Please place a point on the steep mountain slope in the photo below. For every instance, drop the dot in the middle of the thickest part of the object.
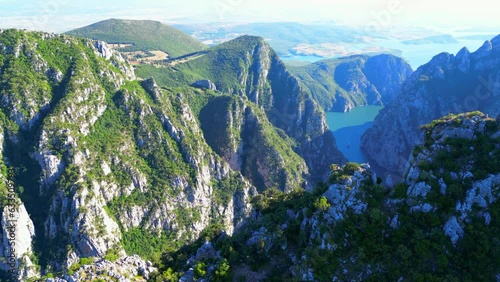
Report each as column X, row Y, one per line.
column 247, row 67
column 144, row 35
column 447, row 84
column 244, row 138
column 103, row 166
column 441, row 224
column 342, row 84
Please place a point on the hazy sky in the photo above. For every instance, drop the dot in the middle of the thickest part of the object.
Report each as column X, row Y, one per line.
column 63, row 15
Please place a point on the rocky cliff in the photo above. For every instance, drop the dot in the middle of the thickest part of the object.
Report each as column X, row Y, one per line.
column 101, row 161
column 247, row 67
column 441, row 223
column 447, row 84
column 105, row 167
column 344, row 83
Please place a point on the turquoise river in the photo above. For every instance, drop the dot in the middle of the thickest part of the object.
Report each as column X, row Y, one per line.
column 348, row 128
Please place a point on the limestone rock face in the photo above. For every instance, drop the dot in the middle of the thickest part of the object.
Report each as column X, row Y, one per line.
column 348, row 196
column 126, row 269
column 76, row 174
column 101, row 159
column 258, row 75
column 447, row 84
column 205, row 84
column 17, row 234
column 453, row 230
column 444, row 210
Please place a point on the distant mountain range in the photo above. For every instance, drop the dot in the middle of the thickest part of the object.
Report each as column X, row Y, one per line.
column 321, row 40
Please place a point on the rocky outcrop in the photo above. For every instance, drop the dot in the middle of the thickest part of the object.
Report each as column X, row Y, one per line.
column 481, row 190
column 16, row 242
column 126, row 269
column 342, row 84
column 245, row 139
column 206, row 252
column 447, row 84
column 347, row 195
column 205, row 84
column 354, row 228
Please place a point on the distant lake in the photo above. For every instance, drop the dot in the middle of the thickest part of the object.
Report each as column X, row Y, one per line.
column 416, row 55
column 348, row 128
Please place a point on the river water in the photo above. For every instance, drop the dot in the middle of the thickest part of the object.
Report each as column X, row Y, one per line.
column 348, row 128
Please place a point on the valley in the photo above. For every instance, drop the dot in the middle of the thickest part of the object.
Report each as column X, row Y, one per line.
column 133, row 150
column 348, row 129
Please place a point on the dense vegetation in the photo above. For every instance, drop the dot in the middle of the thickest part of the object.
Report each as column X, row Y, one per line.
column 143, row 35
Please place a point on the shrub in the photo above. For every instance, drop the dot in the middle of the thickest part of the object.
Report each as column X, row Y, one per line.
column 200, row 270
column 321, row 204
column 223, row 271
column 350, row 168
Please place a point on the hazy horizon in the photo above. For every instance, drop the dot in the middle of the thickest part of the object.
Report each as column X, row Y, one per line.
column 64, row 15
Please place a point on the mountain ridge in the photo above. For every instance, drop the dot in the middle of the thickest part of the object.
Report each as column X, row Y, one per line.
column 249, row 68
column 447, row 84
column 107, row 167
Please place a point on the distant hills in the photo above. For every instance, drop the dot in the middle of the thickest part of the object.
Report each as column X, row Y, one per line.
column 344, row 83
column 282, row 35
column 144, row 35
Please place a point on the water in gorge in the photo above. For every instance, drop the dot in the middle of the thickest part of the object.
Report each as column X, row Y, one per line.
column 348, row 128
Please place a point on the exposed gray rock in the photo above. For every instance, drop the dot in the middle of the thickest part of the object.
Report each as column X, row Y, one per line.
column 483, row 193
column 103, row 49
column 205, row 84
column 421, row 208
column 125, row 269
column 453, row 230
column 347, row 196
column 389, row 182
column 420, row 189
column 17, row 234
column 447, row 84
column 394, row 222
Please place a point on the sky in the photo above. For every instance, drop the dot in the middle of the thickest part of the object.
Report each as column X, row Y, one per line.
column 64, row 15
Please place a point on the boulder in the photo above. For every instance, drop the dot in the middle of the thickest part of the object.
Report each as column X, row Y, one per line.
column 204, row 84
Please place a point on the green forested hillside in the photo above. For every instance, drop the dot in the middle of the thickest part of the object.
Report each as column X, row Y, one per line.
column 144, row 35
